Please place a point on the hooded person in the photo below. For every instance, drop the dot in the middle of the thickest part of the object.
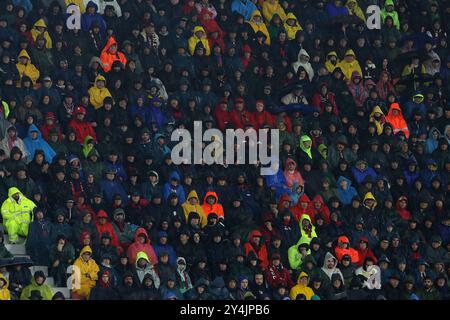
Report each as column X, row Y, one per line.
column 272, row 7
column 17, row 213
column 291, row 174
column 343, row 248
column 292, row 26
column 277, row 274
column 192, row 204
column 40, row 30
column 332, row 61
column 243, row 7
column 174, row 186
column 307, row 229
column 303, row 59
column 349, row 64
column 92, row 17
column 301, row 288
column 396, row 119
column 355, row 10
column 141, row 242
column 110, row 54
column 98, row 92
column 364, row 251
column 103, row 225
column 389, row 10
column 37, row 285
column 302, row 207
column 257, row 24
column 34, row 142
column 211, row 205
column 11, row 141
column 198, row 38
column 432, row 141
column 26, row 68
column 184, row 280
column 345, row 190
column 88, row 274
column 305, row 148
column 256, row 246
column 104, row 289
column 143, row 267
column 4, row 291
column 330, row 267
column 297, row 254
column 378, row 118
column 82, row 127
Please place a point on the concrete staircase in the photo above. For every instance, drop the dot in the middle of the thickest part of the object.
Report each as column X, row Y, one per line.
column 18, row 250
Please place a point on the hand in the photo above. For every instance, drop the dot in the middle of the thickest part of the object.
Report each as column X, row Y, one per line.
column 60, row 247
column 56, row 264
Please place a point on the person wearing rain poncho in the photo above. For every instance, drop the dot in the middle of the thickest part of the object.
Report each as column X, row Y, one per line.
column 301, row 287
column 34, row 142
column 198, row 38
column 40, row 29
column 257, row 24
column 377, row 117
column 396, row 120
column 17, row 214
column 349, row 64
column 292, row 26
column 303, row 61
column 345, row 190
column 85, row 274
column 26, row 68
column 192, row 204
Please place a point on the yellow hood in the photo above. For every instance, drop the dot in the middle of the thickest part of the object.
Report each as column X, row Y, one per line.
column 24, row 53
column 290, row 15
column 193, row 194
column 40, row 23
column 350, row 52
column 197, row 29
column 254, row 14
column 376, row 109
column 302, row 274
column 100, row 78
column 4, row 279
column 369, row 196
column 12, row 191
column 85, row 249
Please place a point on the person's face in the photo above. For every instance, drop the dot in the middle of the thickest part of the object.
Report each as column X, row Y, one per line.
column 40, row 280
column 259, row 279
column 428, row 283
column 86, row 256
column 330, row 264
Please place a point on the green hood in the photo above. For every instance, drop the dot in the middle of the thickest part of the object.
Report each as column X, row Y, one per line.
column 304, row 149
column 14, row 190
column 141, row 255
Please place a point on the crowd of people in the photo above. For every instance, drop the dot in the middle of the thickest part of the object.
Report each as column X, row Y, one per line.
column 358, row 208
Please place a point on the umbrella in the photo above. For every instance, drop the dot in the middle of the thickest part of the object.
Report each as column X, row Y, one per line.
column 9, row 262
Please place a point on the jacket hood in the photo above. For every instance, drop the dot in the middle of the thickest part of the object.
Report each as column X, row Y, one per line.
column 91, row 4
column 370, row 196
column 102, row 214
column 329, row 256
column 111, row 41
column 290, row 15
column 341, row 178
column 301, row 275
column 388, row 3
column 343, row 239
column 318, row 198
column 140, row 231
column 175, row 176
column 197, row 29
column 310, row 258
column 85, row 249
column 14, row 190
column 289, row 161
column 303, row 52
column 40, row 23
column 99, row 78
column 255, row 233
column 304, row 198
column 305, row 217
column 2, row 277
column 376, row 109
column 193, row 194
column 24, row 53
column 430, row 135
column 395, row 106
column 350, row 52
column 141, row 255
column 331, row 54
column 212, row 194
column 34, row 128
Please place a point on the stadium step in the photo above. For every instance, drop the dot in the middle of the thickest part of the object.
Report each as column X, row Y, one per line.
column 16, row 249
column 65, row 291
column 50, row 282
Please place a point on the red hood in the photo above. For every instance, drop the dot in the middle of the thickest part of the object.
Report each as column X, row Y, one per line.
column 304, row 198
column 102, row 214
column 141, row 231
column 111, row 41
column 255, row 233
column 343, row 239
column 318, row 198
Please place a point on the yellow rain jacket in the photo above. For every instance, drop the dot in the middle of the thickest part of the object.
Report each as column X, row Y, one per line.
column 356, row 10
column 79, row 3
column 27, row 69
column 45, row 290
column 378, row 123
column 188, row 208
column 4, row 292
column 330, row 67
column 305, row 238
column 35, row 33
column 292, row 30
column 269, row 9
column 17, row 215
column 348, row 67
column 96, row 95
column 88, row 274
column 369, row 196
column 259, row 26
column 194, row 40
column 299, row 288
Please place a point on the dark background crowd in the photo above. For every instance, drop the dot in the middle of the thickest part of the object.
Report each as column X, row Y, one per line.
column 358, row 209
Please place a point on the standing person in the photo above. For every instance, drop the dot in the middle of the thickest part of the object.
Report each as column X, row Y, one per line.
column 17, row 214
